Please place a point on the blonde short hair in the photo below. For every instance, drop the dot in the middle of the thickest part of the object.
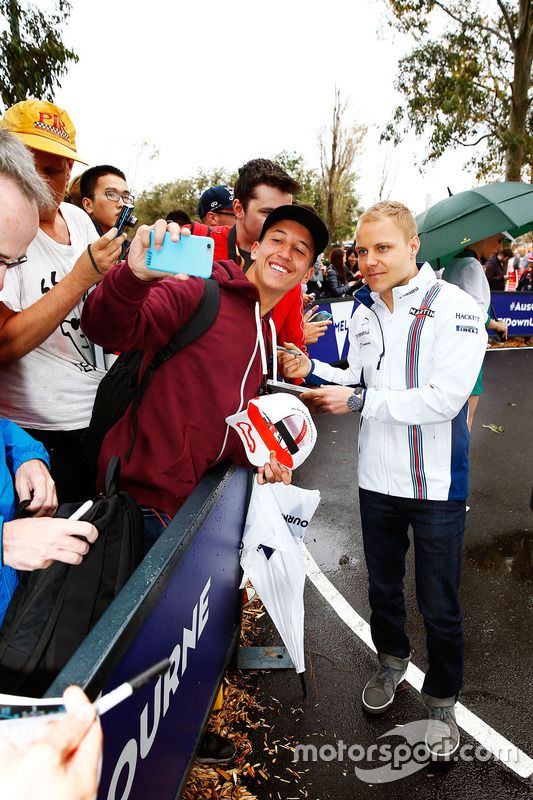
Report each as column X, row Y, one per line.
column 390, row 208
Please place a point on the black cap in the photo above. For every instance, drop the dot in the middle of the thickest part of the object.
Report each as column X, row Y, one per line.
column 215, row 198
column 305, row 217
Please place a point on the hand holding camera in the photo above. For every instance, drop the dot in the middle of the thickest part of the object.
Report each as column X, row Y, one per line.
column 97, row 259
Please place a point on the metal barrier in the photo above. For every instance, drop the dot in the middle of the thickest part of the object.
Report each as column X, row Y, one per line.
column 182, row 603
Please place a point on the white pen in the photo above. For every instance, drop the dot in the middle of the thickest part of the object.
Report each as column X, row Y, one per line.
column 125, row 690
column 22, row 718
column 81, row 510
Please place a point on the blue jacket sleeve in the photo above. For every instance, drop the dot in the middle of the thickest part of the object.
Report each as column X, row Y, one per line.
column 8, row 579
column 20, row 446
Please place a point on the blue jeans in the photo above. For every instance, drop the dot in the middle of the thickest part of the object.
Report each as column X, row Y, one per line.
column 155, row 523
column 438, row 529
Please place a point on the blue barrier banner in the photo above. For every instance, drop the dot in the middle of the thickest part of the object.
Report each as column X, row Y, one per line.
column 333, row 346
column 149, row 738
column 517, row 309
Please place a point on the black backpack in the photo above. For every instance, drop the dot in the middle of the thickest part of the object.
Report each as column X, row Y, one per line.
column 120, row 386
column 52, row 610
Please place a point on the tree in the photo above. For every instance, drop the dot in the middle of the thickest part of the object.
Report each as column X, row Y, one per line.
column 309, row 179
column 471, row 83
column 339, row 146
column 184, row 193
column 33, row 58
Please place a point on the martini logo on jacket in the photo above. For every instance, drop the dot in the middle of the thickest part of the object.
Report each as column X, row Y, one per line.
column 422, row 312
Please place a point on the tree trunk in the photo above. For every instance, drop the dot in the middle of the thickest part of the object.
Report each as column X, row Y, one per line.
column 14, row 12
column 523, row 55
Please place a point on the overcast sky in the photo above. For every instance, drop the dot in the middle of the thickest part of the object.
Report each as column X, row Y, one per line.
column 162, row 88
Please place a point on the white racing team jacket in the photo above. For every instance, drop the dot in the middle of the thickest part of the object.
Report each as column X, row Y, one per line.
column 418, row 365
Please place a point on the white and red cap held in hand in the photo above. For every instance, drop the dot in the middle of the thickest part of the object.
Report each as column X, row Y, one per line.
column 278, row 422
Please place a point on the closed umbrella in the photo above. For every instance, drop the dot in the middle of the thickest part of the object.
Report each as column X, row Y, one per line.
column 449, row 226
column 271, row 560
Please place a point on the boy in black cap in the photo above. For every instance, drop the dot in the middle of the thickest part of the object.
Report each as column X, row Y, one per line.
column 215, row 206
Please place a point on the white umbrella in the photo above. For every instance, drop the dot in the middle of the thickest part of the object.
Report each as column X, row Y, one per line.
column 271, row 559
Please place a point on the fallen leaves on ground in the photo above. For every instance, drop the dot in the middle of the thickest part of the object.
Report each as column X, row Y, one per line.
column 513, row 341
column 494, row 428
column 212, row 782
column 241, row 714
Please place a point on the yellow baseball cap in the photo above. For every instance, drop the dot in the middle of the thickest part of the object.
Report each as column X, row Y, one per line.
column 43, row 126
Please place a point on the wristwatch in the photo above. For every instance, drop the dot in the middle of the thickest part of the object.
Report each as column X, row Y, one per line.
column 356, row 401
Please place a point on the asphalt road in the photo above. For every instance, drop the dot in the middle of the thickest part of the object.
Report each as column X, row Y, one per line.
column 497, row 603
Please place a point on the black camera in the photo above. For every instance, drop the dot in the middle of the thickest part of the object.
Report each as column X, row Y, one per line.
column 126, row 218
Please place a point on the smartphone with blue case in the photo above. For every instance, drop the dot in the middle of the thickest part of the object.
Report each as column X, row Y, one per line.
column 190, row 255
column 321, row 316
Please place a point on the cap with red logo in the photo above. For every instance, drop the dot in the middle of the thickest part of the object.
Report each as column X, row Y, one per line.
column 279, row 423
column 43, row 126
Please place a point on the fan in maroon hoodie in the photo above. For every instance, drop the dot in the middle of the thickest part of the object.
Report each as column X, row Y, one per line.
column 182, row 429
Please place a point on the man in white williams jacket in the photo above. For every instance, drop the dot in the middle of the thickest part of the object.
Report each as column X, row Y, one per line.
column 416, row 347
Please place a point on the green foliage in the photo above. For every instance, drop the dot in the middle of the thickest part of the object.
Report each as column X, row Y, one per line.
column 33, row 58
column 312, row 192
column 348, row 209
column 470, row 84
column 309, row 179
column 184, row 193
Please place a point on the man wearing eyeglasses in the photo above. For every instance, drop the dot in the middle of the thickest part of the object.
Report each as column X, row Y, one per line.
column 104, row 192
column 49, row 370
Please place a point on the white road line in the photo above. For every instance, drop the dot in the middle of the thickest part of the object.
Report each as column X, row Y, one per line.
column 504, row 750
column 505, row 349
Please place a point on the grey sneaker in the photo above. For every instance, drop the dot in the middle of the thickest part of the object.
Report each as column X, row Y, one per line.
column 379, row 692
column 442, row 735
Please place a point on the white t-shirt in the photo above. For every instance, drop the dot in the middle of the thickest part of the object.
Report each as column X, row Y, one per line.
column 467, row 273
column 53, row 387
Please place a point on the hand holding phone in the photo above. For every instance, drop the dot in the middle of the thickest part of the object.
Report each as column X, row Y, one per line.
column 190, row 255
column 320, row 316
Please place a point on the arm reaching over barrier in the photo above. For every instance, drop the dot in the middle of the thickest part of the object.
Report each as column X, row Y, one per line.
column 63, row 764
column 33, row 482
column 29, row 544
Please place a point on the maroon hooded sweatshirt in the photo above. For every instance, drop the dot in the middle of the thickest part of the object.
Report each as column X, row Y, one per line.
column 182, row 430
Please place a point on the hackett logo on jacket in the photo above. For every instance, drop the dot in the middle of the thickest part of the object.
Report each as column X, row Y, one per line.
column 469, row 317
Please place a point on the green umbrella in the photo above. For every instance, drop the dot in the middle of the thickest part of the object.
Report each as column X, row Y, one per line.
column 467, row 217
